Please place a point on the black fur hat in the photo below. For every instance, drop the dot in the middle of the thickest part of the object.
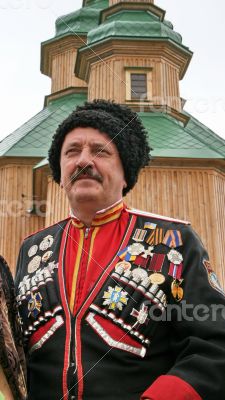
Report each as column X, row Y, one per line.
column 120, row 123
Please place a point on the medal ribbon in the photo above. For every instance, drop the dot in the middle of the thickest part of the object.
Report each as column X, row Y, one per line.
column 125, row 255
column 141, row 261
column 139, row 235
column 157, row 262
column 172, row 239
column 155, row 237
column 150, row 225
column 175, row 270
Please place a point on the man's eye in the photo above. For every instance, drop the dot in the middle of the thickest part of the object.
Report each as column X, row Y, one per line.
column 72, row 151
column 102, row 150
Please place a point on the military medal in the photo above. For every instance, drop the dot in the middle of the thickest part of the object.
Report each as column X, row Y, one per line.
column 155, row 266
column 130, row 252
column 52, row 266
column 46, row 243
column 33, row 250
column 175, row 257
column 176, row 265
column 135, row 249
column 176, row 290
column 115, row 298
column 148, row 252
column 34, row 264
column 139, row 235
column 120, row 271
column 156, row 278
column 47, row 274
column 141, row 316
column 34, row 282
column 146, row 282
column 34, row 304
column 125, row 265
column 47, row 255
column 39, row 275
column 125, row 255
column 24, row 285
column 139, row 273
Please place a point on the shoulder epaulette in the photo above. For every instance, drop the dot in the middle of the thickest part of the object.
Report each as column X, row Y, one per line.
column 46, row 228
column 156, row 216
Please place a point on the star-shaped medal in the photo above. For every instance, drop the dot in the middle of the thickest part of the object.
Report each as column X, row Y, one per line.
column 115, row 298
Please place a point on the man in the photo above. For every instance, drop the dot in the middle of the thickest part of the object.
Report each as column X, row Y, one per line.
column 12, row 360
column 104, row 294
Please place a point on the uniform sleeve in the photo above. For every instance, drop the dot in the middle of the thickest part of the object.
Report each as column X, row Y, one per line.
column 19, row 266
column 197, row 336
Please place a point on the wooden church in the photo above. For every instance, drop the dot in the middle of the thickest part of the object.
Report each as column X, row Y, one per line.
column 129, row 52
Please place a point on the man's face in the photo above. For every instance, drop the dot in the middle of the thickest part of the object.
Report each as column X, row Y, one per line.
column 91, row 169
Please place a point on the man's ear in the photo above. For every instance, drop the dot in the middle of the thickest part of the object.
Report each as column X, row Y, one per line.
column 61, row 185
column 124, row 184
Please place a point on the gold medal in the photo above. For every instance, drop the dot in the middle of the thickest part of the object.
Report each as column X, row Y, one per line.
column 34, row 264
column 157, row 278
column 176, row 290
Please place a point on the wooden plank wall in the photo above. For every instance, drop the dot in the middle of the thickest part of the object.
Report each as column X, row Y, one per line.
column 218, row 195
column 196, row 195
column 108, row 80
column 15, row 199
column 57, row 203
column 63, row 71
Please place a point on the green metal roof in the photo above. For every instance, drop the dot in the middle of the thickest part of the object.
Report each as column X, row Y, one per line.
column 168, row 137
column 80, row 21
column 96, row 3
column 135, row 24
column 34, row 137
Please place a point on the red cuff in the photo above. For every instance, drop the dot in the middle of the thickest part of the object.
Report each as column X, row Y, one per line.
column 168, row 387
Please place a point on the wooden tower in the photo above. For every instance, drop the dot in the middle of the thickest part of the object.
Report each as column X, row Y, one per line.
column 126, row 51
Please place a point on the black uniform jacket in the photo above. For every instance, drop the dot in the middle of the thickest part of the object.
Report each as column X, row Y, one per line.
column 153, row 323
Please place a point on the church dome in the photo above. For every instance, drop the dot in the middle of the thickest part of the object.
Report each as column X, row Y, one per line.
column 134, row 24
column 80, row 21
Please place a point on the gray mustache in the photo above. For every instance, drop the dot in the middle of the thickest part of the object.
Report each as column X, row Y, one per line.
column 87, row 171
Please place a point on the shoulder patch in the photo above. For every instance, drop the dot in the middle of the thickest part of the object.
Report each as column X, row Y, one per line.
column 156, row 216
column 212, row 277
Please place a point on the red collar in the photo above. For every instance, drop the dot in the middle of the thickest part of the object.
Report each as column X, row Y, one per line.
column 103, row 216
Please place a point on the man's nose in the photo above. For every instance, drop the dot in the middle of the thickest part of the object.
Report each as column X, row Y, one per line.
column 85, row 158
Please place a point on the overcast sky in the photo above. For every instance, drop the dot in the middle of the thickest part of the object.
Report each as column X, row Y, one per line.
column 24, row 24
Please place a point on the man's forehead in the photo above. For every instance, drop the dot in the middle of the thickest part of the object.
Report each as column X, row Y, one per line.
column 93, row 136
